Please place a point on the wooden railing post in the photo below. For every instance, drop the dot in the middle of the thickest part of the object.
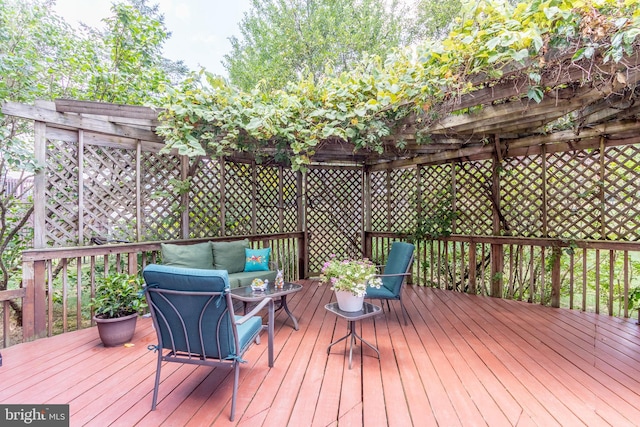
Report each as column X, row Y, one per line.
column 555, row 277
column 302, row 257
column 34, row 320
column 368, row 245
column 473, row 262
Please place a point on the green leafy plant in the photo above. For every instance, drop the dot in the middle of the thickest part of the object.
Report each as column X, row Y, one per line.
column 439, row 222
column 350, row 275
column 118, row 295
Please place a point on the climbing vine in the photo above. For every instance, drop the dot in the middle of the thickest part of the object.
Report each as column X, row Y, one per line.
column 205, row 115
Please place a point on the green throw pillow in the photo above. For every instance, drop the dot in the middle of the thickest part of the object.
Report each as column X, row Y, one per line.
column 257, row 259
column 198, row 255
column 229, row 255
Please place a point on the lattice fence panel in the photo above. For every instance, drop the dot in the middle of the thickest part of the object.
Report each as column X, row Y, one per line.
column 61, row 201
column 473, row 202
column 573, row 195
column 521, row 200
column 268, row 200
column 622, row 193
column 379, row 201
column 436, row 189
column 204, row 200
column 403, row 200
column 160, row 197
column 110, row 192
column 334, row 214
column 238, row 199
column 290, row 200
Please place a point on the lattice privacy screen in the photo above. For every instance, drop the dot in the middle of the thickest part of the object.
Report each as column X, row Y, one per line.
column 581, row 194
column 119, row 202
column 334, row 214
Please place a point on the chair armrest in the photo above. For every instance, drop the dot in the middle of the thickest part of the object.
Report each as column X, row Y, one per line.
column 393, row 275
column 255, row 310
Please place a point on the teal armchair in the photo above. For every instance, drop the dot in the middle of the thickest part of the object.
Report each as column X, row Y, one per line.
column 193, row 317
column 397, row 269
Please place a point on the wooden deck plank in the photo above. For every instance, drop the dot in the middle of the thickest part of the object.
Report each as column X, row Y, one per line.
column 311, row 385
column 462, row 360
column 569, row 370
column 540, row 373
column 396, row 404
column 464, row 363
column 549, row 368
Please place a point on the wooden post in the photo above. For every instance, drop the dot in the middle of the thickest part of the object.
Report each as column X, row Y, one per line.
column 138, row 190
column 223, row 197
column 280, row 199
column 366, row 213
column 184, row 198
column 34, row 279
column 497, row 250
column 545, row 219
column 80, row 188
column 254, row 196
column 603, row 215
column 303, row 243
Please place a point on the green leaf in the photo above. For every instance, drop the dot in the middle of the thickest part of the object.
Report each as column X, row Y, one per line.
column 535, row 93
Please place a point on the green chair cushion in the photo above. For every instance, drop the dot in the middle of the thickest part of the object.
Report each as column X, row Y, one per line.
column 198, row 255
column 229, row 255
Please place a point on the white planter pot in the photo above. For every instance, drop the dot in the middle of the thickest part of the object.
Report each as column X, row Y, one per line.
column 348, row 301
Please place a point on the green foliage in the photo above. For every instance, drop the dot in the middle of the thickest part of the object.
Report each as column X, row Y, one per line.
column 363, row 102
column 44, row 58
column 118, row 295
column 438, row 222
column 282, row 40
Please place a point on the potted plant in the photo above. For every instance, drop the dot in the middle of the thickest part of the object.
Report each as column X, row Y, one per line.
column 116, row 304
column 349, row 279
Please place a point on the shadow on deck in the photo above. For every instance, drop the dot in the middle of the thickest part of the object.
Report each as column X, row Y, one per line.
column 463, row 360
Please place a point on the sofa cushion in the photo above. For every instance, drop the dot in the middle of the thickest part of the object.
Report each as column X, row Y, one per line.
column 245, row 278
column 229, row 255
column 198, row 255
column 257, row 259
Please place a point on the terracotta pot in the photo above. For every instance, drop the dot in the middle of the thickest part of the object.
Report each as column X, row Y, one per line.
column 348, row 301
column 114, row 332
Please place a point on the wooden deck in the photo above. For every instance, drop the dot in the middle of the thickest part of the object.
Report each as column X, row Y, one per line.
column 463, row 360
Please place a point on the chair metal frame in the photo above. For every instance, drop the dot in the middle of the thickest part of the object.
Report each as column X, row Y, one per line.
column 399, row 297
column 188, row 357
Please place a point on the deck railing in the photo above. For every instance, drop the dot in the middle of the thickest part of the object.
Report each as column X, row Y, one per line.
column 595, row 276
column 58, row 283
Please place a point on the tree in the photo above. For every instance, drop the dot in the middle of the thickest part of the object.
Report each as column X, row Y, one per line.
column 42, row 57
column 436, row 17
column 283, row 40
column 128, row 66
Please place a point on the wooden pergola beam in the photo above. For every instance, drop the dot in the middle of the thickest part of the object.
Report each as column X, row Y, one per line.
column 73, row 121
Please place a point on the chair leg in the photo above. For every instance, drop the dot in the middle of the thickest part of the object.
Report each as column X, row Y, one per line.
column 404, row 312
column 236, row 376
column 157, row 384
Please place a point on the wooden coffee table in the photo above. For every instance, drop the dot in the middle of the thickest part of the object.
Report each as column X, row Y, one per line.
column 368, row 310
column 248, row 295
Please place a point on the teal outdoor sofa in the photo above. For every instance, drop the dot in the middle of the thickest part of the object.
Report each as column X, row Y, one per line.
column 242, row 263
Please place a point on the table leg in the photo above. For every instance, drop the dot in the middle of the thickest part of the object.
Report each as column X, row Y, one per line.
column 352, row 332
column 367, row 343
column 283, row 304
column 352, row 335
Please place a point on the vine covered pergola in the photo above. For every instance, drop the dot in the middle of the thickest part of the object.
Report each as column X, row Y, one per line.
column 511, row 158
